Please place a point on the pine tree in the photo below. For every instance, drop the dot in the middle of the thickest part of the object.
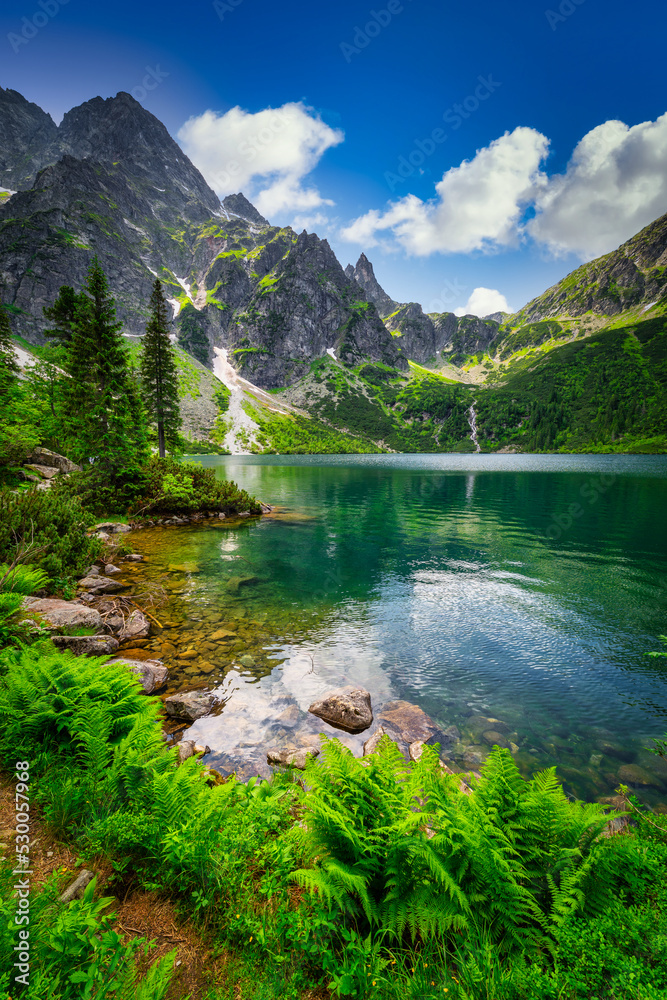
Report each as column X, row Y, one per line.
column 9, row 368
column 159, row 378
column 99, row 407
column 63, row 315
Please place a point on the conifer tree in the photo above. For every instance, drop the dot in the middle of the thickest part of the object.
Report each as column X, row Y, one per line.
column 159, row 378
column 9, row 368
column 62, row 314
column 99, row 408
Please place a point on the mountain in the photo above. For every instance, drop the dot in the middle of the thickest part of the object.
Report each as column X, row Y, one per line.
column 633, row 276
column 424, row 337
column 25, row 130
column 111, row 181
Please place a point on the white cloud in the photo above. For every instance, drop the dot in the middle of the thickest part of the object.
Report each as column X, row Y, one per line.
column 483, row 302
column 267, row 155
column 479, row 204
column 614, row 185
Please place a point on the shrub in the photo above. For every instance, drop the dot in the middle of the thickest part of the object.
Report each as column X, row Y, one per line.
column 50, row 528
column 173, row 487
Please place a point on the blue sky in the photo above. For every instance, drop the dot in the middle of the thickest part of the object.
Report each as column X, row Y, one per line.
column 360, row 89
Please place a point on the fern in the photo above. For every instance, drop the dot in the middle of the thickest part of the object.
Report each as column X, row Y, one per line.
column 403, row 847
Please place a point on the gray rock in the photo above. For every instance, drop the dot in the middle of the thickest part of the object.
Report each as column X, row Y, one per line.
column 247, row 660
column 64, row 614
column 112, row 527
column 45, row 471
column 134, row 557
column 348, row 709
column 152, row 674
column 137, row 626
column 92, row 571
column 292, row 756
column 474, row 756
column 87, row 645
column 371, row 743
column 189, row 705
column 100, row 585
column 42, row 456
column 110, row 569
column 289, row 717
column 185, row 749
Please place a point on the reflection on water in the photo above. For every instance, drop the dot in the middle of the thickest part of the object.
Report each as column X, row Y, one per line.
column 522, row 588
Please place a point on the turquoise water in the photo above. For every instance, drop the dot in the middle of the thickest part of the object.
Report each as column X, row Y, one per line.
column 523, row 588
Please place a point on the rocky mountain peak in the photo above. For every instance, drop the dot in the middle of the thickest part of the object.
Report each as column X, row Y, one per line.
column 238, row 205
column 364, row 275
column 24, row 130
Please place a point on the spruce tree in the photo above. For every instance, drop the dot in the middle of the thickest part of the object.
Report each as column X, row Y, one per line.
column 159, row 378
column 63, row 315
column 9, row 368
column 98, row 406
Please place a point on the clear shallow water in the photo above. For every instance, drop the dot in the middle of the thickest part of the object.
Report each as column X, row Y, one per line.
column 523, row 588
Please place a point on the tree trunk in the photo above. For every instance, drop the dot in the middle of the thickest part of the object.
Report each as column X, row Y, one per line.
column 160, row 438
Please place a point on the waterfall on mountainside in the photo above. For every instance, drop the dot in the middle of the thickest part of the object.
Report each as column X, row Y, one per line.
column 472, row 420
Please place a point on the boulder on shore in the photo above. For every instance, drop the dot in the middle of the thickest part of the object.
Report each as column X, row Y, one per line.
column 45, row 471
column 189, row 705
column 100, row 584
column 348, row 709
column 86, row 645
column 112, row 527
column 63, row 614
column 137, row 626
column 152, row 674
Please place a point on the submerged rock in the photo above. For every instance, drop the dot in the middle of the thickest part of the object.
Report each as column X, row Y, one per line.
column 86, row 645
column 633, row 774
column 222, row 633
column 292, row 756
column 64, row 614
column 348, row 709
column 234, row 583
column 189, row 705
column 407, row 723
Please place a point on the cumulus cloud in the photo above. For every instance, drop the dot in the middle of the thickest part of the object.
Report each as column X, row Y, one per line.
column 267, row 155
column 478, row 206
column 614, row 185
column 483, row 302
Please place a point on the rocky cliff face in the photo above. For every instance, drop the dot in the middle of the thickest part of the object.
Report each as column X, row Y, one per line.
column 424, row 337
column 111, row 181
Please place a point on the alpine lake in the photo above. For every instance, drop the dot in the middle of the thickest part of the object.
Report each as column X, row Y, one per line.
column 513, row 597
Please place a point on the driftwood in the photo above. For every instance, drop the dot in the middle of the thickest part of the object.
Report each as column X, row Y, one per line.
column 75, row 890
